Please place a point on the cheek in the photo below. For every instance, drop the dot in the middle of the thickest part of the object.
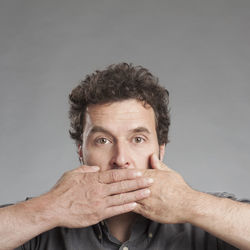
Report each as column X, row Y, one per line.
column 98, row 158
column 142, row 162
column 141, row 158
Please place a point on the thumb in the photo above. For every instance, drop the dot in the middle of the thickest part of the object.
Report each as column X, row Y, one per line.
column 156, row 163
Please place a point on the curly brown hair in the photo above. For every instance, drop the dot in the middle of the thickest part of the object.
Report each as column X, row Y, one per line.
column 116, row 83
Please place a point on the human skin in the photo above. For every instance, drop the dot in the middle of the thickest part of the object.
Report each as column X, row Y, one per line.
column 173, row 201
column 82, row 197
column 120, row 138
column 122, row 135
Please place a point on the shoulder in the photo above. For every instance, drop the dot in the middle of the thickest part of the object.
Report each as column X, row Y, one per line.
column 185, row 236
column 230, row 196
column 61, row 238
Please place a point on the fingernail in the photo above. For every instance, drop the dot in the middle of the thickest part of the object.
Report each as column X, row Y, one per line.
column 138, row 174
column 146, row 191
column 96, row 168
column 150, row 180
column 133, row 205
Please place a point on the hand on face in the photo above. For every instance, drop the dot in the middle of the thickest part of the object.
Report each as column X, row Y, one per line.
column 125, row 143
column 170, row 195
column 85, row 196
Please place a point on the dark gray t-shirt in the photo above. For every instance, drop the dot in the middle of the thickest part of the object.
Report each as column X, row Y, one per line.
column 145, row 234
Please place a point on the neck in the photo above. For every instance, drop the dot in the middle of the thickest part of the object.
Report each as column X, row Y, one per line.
column 120, row 226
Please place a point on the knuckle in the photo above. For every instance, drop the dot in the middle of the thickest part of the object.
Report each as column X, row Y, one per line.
column 120, row 198
column 99, row 176
column 108, row 201
column 103, row 189
column 114, row 175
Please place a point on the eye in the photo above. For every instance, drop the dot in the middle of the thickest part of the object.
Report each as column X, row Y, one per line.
column 138, row 139
column 102, row 140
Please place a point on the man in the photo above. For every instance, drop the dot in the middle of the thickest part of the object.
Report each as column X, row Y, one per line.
column 123, row 196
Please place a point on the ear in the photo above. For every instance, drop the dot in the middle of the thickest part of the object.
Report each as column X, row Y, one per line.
column 79, row 151
column 162, row 151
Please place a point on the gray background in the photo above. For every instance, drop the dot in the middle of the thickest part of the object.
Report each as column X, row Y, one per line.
column 198, row 49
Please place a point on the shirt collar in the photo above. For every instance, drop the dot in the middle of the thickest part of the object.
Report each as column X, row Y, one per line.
column 141, row 226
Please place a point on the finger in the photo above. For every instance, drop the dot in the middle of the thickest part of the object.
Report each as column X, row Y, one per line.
column 116, row 210
column 140, row 209
column 116, row 175
column 125, row 198
column 157, row 164
column 128, row 186
column 86, row 169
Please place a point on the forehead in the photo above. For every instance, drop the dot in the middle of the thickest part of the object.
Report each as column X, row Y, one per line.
column 125, row 114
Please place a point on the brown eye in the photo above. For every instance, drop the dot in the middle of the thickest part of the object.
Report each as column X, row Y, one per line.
column 102, row 140
column 138, row 139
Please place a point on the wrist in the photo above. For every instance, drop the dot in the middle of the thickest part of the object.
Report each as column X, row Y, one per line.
column 25, row 220
column 204, row 207
column 41, row 211
column 196, row 206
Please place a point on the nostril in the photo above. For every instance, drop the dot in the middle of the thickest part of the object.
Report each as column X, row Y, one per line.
column 118, row 165
column 114, row 165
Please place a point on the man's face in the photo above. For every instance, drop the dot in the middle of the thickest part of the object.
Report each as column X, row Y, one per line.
column 120, row 135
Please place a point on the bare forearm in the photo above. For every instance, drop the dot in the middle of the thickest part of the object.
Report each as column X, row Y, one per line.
column 173, row 201
column 80, row 198
column 224, row 218
column 23, row 221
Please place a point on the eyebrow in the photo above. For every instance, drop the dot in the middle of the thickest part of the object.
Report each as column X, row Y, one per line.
column 97, row 129
column 140, row 130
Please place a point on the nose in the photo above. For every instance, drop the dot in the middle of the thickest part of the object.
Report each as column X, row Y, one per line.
column 120, row 156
